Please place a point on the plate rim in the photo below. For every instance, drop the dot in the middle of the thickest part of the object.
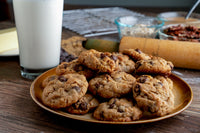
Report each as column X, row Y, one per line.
column 76, row 117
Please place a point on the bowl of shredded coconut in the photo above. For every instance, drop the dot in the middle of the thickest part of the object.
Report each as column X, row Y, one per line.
column 146, row 27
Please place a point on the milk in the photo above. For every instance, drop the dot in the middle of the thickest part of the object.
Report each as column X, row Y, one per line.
column 39, row 27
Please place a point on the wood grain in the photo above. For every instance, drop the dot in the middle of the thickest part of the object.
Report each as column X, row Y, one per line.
column 19, row 113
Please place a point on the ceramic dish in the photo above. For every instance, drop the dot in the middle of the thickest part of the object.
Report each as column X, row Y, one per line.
column 182, row 92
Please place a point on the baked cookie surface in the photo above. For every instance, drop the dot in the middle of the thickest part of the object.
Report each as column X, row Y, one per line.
column 74, row 67
column 112, row 85
column 121, row 110
column 154, row 94
column 125, row 64
column 99, row 61
column 87, row 103
column 156, row 65
column 64, row 90
column 73, row 45
column 136, row 54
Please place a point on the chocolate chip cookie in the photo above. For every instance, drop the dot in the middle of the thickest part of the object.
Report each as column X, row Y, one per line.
column 136, row 54
column 87, row 103
column 112, row 85
column 64, row 90
column 156, row 65
column 125, row 64
column 99, row 61
column 74, row 67
column 73, row 45
column 120, row 110
column 154, row 94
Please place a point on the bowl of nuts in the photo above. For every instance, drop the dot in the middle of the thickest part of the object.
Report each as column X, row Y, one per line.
column 146, row 27
column 180, row 32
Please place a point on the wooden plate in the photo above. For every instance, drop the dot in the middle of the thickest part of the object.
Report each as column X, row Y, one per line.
column 182, row 92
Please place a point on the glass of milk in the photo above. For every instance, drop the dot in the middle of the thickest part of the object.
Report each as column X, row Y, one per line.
column 39, row 28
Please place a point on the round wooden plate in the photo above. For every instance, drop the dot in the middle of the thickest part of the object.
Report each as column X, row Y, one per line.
column 182, row 92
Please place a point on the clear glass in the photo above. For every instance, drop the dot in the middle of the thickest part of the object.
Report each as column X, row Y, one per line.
column 138, row 26
column 39, row 28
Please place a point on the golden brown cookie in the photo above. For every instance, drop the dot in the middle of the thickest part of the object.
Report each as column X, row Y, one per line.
column 116, row 84
column 64, row 90
column 156, row 65
column 154, row 94
column 73, row 45
column 136, row 54
column 120, row 110
column 74, row 67
column 87, row 103
column 99, row 61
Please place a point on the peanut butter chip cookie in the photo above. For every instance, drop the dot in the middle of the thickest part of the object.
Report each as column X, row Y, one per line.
column 156, row 65
column 112, row 85
column 74, row 67
column 120, row 110
column 99, row 61
column 154, row 94
column 87, row 103
column 136, row 54
column 64, row 90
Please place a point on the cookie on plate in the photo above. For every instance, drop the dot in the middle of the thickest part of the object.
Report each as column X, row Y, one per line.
column 154, row 94
column 73, row 45
column 116, row 84
column 74, row 67
column 118, row 110
column 136, row 54
column 156, row 65
column 99, row 61
column 125, row 64
column 87, row 103
column 64, row 90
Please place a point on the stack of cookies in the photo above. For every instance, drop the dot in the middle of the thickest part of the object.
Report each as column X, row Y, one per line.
column 112, row 86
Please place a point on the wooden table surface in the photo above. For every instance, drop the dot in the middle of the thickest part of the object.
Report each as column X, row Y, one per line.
column 19, row 113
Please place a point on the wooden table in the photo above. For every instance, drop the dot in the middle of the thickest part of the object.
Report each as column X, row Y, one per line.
column 19, row 113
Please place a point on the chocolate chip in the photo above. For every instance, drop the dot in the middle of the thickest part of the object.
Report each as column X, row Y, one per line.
column 102, row 114
column 65, row 66
column 143, row 79
column 62, row 79
column 78, row 68
column 97, row 85
column 151, row 63
column 138, row 64
column 78, row 89
column 138, row 50
column 137, row 89
column 103, row 55
column 83, row 106
column 114, row 57
column 111, row 106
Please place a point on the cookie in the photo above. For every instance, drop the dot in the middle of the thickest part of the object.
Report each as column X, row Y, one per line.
column 156, row 65
column 73, row 45
column 154, row 94
column 136, row 54
column 125, row 64
column 116, row 84
column 118, row 110
column 99, row 61
column 87, row 103
column 48, row 79
column 64, row 90
column 74, row 67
